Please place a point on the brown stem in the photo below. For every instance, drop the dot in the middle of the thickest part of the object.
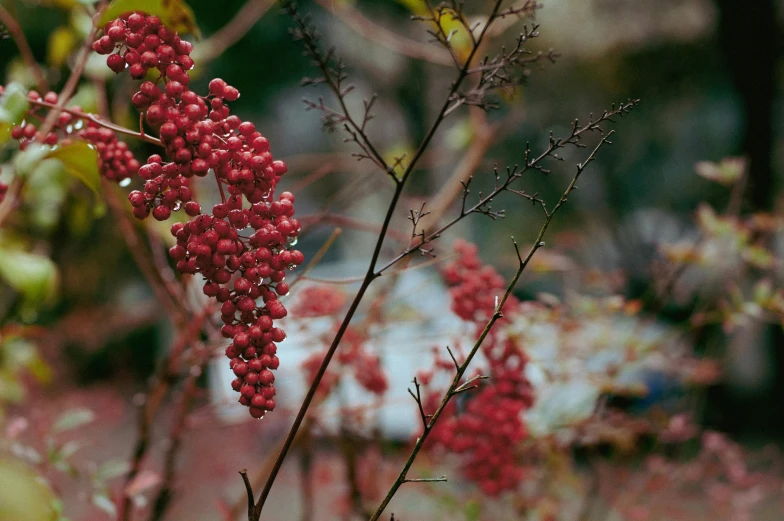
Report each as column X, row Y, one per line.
column 485, row 135
column 72, row 82
column 98, row 121
column 456, row 387
column 15, row 30
column 233, row 31
column 152, row 402
column 11, row 199
column 166, row 492
column 374, row 33
column 371, row 274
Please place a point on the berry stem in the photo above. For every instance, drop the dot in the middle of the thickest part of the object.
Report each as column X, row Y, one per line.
column 100, row 122
column 220, row 187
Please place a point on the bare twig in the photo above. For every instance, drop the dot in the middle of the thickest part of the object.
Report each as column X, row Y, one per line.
column 371, row 31
column 308, row 37
column 249, row 490
column 441, row 479
column 531, row 163
column 455, row 386
column 418, row 399
column 454, row 360
column 97, row 120
column 242, row 22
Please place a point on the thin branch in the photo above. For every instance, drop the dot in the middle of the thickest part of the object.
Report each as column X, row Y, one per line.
column 73, row 80
column 98, row 121
column 374, row 33
column 457, row 366
column 333, row 77
column 442, row 479
column 148, row 407
column 418, row 399
column 15, row 30
column 242, row 22
column 371, row 274
column 513, row 174
column 523, row 263
column 466, row 386
column 249, row 490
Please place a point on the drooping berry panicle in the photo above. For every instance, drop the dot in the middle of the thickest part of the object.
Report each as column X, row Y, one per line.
column 243, row 246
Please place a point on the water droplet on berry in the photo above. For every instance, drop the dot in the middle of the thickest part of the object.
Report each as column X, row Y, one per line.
column 125, row 182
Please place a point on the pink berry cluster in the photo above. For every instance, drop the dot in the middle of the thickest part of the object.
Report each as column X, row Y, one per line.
column 354, row 355
column 243, row 246
column 488, row 431
column 115, row 161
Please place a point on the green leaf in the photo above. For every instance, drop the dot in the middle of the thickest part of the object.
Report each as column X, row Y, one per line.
column 175, row 14
column 72, row 419
column 13, row 107
column 81, row 161
column 32, row 275
column 23, row 496
column 112, row 469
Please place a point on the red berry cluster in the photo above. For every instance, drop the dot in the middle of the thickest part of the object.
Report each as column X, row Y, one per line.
column 354, row 354
column 3, row 191
column 489, row 429
column 319, row 301
column 474, row 287
column 115, row 161
column 143, row 43
column 200, row 136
